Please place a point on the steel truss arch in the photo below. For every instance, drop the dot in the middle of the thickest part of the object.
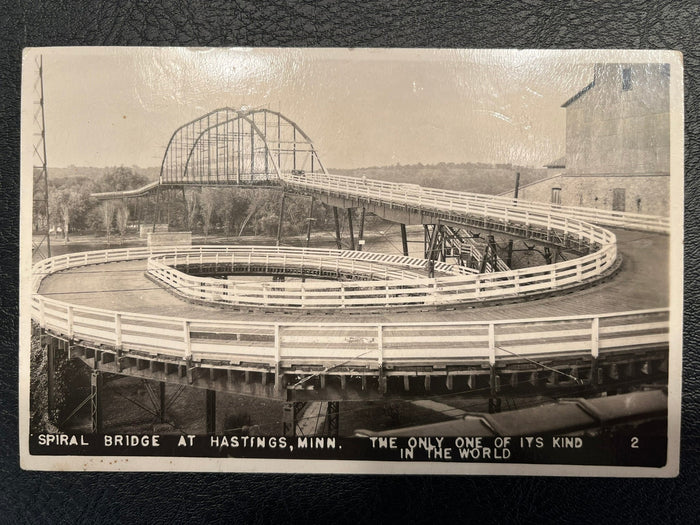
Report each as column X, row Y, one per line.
column 245, row 149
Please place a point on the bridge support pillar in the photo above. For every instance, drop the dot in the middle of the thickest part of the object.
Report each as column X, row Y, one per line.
column 509, row 254
column 290, row 414
column 495, row 384
column 333, row 418
column 279, row 224
column 211, row 411
column 494, row 405
column 361, row 234
column 382, row 381
column 431, row 242
column 513, row 380
column 350, row 230
column 490, row 256
column 156, row 212
column 161, row 406
column 471, row 381
column 308, row 226
column 187, row 209
column 51, row 347
column 404, row 240
column 594, row 377
column 614, row 372
column 189, row 369
column 280, row 380
column 337, row 228
column 96, row 401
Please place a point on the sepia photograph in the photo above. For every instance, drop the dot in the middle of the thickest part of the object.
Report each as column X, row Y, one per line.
column 409, row 261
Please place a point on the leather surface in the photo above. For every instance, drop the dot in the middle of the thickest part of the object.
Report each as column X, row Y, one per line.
column 164, row 498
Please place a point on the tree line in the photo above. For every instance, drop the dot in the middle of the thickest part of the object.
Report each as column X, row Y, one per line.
column 229, row 211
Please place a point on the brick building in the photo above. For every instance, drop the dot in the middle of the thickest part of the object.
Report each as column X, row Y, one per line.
column 617, row 144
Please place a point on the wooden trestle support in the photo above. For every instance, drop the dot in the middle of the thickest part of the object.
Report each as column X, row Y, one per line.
column 605, row 373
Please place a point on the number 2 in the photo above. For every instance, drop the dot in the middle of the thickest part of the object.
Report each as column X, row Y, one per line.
column 635, row 442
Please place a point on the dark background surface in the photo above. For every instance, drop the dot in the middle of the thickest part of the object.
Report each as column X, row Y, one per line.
column 109, row 497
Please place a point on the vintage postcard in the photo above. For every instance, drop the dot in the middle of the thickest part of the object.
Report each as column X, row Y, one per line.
column 391, row 261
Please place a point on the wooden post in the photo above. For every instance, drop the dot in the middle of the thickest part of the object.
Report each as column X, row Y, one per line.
column 187, row 209
column 352, row 235
column 595, row 337
column 279, row 224
column 118, row 331
column 380, row 348
column 308, row 226
column 337, row 228
column 70, row 322
column 156, row 214
column 96, row 401
column 361, row 235
column 188, row 343
column 278, row 374
column 492, row 344
column 404, row 239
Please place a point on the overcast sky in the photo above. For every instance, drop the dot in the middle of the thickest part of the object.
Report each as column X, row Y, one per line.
column 119, row 106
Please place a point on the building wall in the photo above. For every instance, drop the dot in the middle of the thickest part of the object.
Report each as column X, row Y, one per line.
column 617, row 138
column 620, row 126
column 642, row 194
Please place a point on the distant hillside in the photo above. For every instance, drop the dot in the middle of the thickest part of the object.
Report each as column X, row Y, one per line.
column 489, row 179
column 471, row 177
column 94, row 174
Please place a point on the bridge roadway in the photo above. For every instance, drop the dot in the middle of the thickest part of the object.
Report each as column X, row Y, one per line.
column 641, row 283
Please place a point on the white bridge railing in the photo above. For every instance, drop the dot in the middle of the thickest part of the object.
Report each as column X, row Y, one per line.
column 376, row 344
column 367, row 265
column 397, row 287
column 526, row 212
column 355, row 344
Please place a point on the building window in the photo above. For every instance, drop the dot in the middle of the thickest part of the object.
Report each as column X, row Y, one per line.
column 556, row 195
column 618, row 203
column 626, row 79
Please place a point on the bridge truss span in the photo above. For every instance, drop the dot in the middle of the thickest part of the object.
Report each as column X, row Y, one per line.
column 237, row 146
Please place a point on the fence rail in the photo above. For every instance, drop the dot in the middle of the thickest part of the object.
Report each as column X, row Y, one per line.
column 391, row 283
column 528, row 212
column 370, row 345
column 379, row 344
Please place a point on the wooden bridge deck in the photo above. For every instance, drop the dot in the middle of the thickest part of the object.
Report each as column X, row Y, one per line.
column 641, row 283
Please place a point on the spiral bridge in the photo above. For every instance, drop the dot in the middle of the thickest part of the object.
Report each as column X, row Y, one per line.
column 433, row 340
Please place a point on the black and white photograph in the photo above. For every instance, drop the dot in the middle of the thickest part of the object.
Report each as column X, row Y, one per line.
column 407, row 261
